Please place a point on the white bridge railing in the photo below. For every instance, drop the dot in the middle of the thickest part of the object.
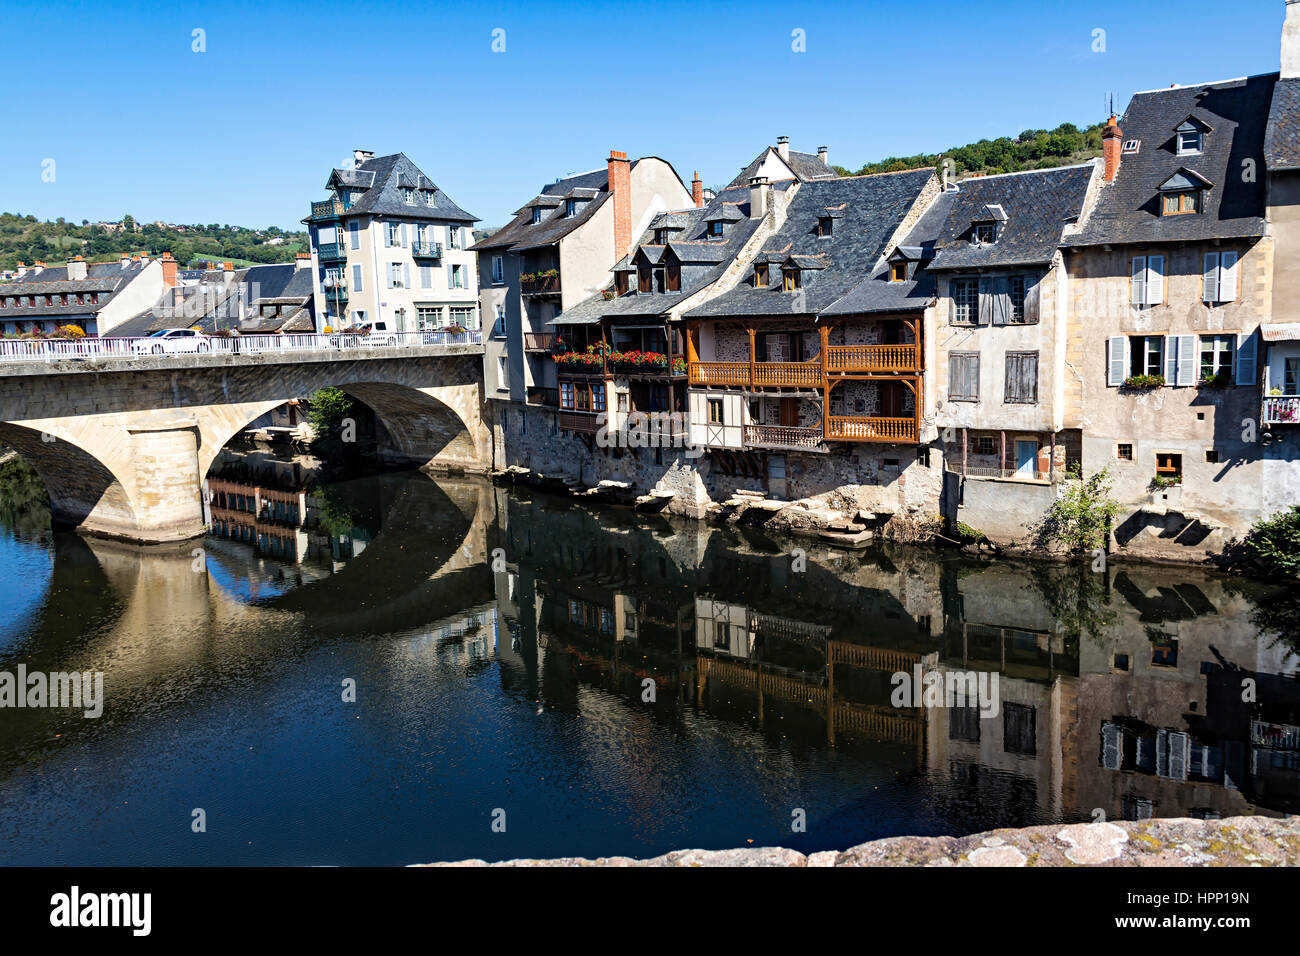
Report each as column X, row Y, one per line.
column 56, row 350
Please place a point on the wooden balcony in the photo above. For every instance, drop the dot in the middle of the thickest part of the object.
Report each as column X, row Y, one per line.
column 1281, row 410
column 540, row 285
column 585, row 422
column 784, row 436
column 872, row 358
column 765, row 374
column 539, row 341
column 901, row 430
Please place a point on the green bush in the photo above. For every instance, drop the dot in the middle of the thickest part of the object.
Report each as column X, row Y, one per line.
column 1081, row 517
column 1274, row 542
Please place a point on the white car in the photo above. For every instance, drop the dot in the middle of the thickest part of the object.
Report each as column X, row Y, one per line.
column 172, row 340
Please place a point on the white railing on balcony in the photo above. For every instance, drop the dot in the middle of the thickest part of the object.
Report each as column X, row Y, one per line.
column 783, row 436
column 90, row 348
column 1281, row 410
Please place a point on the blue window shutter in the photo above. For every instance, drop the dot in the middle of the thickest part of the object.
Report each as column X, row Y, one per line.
column 1247, row 353
column 1210, row 287
column 406, row 275
column 356, row 279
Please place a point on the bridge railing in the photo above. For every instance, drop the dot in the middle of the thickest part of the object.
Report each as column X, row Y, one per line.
column 55, row 350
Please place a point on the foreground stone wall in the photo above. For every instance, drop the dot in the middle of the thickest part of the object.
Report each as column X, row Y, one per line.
column 1240, row 841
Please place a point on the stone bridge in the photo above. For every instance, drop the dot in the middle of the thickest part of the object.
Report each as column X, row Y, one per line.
column 124, row 446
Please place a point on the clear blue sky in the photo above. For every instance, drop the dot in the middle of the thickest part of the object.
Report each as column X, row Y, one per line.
column 247, row 132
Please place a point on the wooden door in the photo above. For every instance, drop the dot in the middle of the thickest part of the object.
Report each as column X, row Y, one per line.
column 790, row 412
column 891, row 400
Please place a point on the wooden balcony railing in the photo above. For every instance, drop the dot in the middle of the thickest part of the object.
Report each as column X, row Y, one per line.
column 719, row 373
column 872, row 358
column 872, row 429
column 585, row 422
column 539, row 341
column 766, row 374
column 783, row 436
column 540, row 285
column 1281, row 410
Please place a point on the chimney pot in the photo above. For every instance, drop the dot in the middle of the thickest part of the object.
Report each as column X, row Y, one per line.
column 822, row 153
column 783, row 147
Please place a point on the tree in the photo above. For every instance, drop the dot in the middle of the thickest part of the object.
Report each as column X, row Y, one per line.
column 327, row 410
column 1081, row 517
column 1274, row 543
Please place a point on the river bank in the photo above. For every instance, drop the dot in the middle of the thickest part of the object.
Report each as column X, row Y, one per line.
column 1237, row 841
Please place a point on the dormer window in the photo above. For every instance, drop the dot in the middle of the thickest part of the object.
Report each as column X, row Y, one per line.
column 408, row 196
column 429, row 197
column 1191, row 138
column 661, row 236
column 620, row 283
column 537, row 215
column 898, row 272
column 985, row 233
column 792, row 280
column 824, row 226
column 715, row 229
column 760, row 275
column 570, row 208
column 1181, row 203
column 643, row 279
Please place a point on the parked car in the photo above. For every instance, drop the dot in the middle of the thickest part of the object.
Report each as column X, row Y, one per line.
column 172, row 340
column 368, row 334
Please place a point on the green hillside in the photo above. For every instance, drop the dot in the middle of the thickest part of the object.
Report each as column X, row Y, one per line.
column 1032, row 149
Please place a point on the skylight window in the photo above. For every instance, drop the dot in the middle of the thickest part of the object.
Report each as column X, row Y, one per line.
column 1132, row 145
column 1191, row 138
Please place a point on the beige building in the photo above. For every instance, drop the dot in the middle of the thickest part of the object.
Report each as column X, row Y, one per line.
column 390, row 250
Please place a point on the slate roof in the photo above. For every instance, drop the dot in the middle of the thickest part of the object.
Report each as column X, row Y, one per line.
column 805, row 166
column 1037, row 206
column 1237, row 112
column 384, row 198
column 875, row 207
column 522, row 233
column 1282, row 138
column 107, row 279
column 241, row 294
column 703, row 260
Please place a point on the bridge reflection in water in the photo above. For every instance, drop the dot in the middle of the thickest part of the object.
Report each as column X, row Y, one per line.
column 617, row 687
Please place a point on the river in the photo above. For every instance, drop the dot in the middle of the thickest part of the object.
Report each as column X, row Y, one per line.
column 395, row 669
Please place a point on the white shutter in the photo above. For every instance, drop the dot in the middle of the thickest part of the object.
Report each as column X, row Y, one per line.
column 1186, row 360
column 1171, row 359
column 1139, row 280
column 1162, row 753
column 404, row 228
column 1155, row 280
column 356, row 279
column 1246, row 358
column 449, row 285
column 1210, row 275
column 1116, row 360
column 1228, row 277
column 1179, row 750
column 406, row 275
column 1112, row 746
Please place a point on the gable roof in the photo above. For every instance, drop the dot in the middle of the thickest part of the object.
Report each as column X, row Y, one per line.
column 1035, row 205
column 383, row 178
column 805, row 166
column 874, row 208
column 1237, row 114
column 522, row 233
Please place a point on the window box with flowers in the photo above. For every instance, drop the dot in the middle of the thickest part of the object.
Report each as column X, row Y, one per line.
column 1217, row 380
column 637, row 361
column 1143, row 383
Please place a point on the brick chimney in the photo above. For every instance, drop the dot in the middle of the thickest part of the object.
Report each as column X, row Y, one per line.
column 783, row 147
column 169, row 267
column 620, row 184
column 1291, row 41
column 1112, row 144
column 697, row 190
column 76, row 268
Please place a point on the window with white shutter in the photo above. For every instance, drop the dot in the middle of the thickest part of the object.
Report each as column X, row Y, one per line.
column 1116, row 360
column 1112, row 746
column 426, row 277
column 1210, row 278
column 1139, row 281
column 1180, row 360
column 1247, row 358
column 1219, row 278
column 1155, row 280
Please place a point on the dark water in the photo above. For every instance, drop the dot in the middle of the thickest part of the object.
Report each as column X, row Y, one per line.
column 502, row 648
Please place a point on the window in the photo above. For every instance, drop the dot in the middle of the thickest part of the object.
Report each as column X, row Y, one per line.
column 428, row 317
column 1191, row 139
column 1146, row 355
column 566, row 395
column 715, row 411
column 1216, row 357
column 1148, row 280
column 983, row 445
column 1022, row 378
column 1219, row 277
column 354, row 234
column 430, row 197
column 395, row 276
column 792, row 280
column 498, row 269
column 499, row 326
column 503, row 372
column 898, row 272
column 408, row 196
column 456, row 276
column 598, row 397
column 715, row 229
column 426, row 277
column 465, row 317
column 537, row 214
column 643, row 279
column 1132, row 145
column 986, row 232
column 1169, row 466
column 1124, row 451
column 1016, row 291
column 825, row 225
column 621, row 284
column 965, row 301
column 760, row 275
column 356, row 279
column 1018, row 729
column 453, row 237
column 1211, row 456
column 1291, row 376
column 570, row 207
column 392, row 234
column 964, row 376
column 1181, row 203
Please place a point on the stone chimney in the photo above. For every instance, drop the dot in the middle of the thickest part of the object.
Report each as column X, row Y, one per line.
column 359, row 156
column 22, row 268
column 76, row 268
column 620, row 185
column 169, row 267
column 759, row 191
column 1291, row 41
column 697, row 190
column 1112, row 145
column 302, row 260
column 822, row 153
column 126, row 260
column 783, row 147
